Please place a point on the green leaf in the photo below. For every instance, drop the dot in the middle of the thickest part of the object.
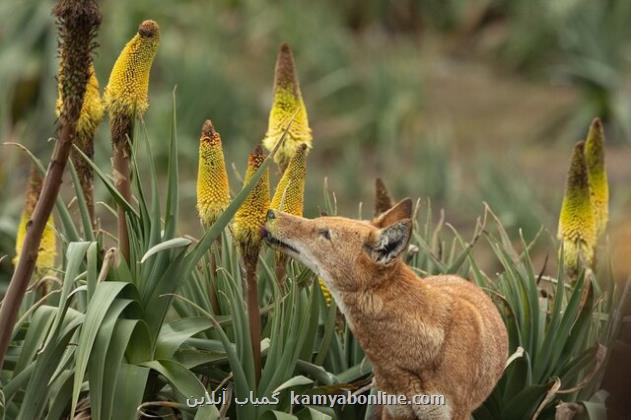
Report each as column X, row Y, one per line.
column 313, row 414
column 74, row 258
column 562, row 333
column 329, row 332
column 129, row 391
column 293, row 382
column 175, row 333
column 242, row 386
column 317, row 372
column 172, row 208
column 155, row 196
column 311, row 330
column 145, row 221
column 123, row 338
column 35, row 394
column 160, row 291
column 120, row 200
column 193, row 358
column 61, row 397
column 321, row 413
column 355, row 372
column 35, row 336
column 92, row 267
column 104, row 296
column 72, row 235
column 81, row 203
column 97, row 366
column 278, row 415
column 555, row 319
column 523, row 404
column 184, row 382
column 166, row 245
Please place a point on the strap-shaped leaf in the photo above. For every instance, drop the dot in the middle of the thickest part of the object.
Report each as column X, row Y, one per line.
column 166, row 245
column 104, row 297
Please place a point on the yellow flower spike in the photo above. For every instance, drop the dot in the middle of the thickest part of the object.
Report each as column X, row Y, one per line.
column 125, row 99
column 127, row 90
column 326, row 293
column 213, row 195
column 597, row 174
column 48, row 244
column 577, row 228
column 290, row 191
column 287, row 102
column 250, row 217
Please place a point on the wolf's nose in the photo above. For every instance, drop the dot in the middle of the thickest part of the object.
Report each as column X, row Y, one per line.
column 270, row 214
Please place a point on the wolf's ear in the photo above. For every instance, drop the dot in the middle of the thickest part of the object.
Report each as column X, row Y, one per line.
column 389, row 242
column 401, row 210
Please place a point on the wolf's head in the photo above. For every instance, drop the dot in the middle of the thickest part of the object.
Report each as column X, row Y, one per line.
column 345, row 252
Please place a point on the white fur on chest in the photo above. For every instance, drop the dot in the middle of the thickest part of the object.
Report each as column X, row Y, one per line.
column 309, row 262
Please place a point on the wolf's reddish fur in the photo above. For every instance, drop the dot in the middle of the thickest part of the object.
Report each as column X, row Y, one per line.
column 437, row 335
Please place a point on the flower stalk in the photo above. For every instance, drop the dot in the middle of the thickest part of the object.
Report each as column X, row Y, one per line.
column 77, row 21
column 213, row 191
column 126, row 98
column 247, row 225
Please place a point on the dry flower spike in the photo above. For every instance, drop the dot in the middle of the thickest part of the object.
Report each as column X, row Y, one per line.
column 78, row 21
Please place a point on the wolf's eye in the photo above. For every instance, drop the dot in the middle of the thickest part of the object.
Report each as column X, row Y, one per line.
column 325, row 233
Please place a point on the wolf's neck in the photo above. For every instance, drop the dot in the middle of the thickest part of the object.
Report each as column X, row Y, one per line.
column 383, row 295
column 399, row 308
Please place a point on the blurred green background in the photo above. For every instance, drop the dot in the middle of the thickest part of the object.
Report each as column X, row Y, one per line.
column 460, row 101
